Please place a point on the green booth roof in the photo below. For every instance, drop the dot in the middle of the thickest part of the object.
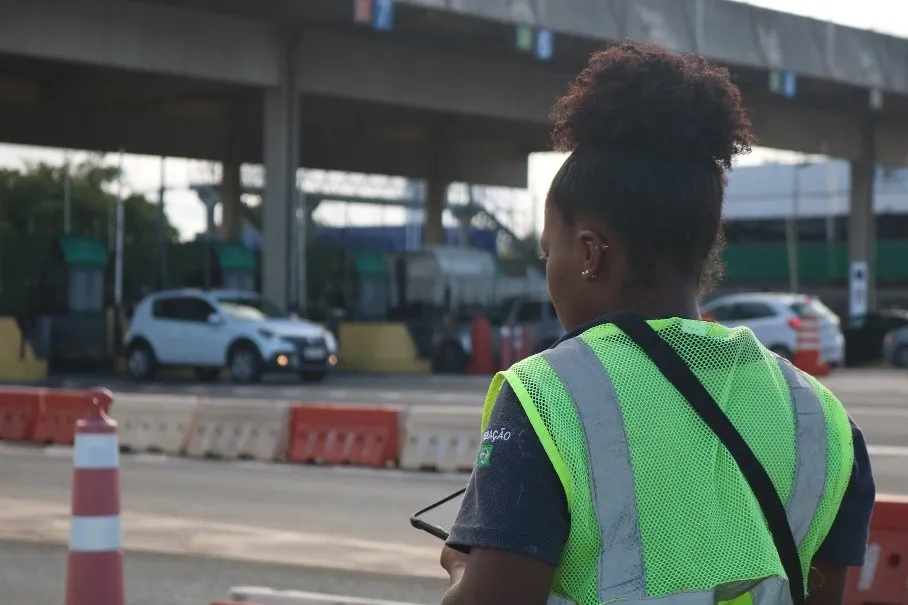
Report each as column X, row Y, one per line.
column 234, row 257
column 83, row 251
column 369, row 262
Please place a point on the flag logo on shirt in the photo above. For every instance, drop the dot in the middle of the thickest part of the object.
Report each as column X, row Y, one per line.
column 485, row 455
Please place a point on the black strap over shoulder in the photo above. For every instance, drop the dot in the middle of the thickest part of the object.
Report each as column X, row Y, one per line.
column 689, row 386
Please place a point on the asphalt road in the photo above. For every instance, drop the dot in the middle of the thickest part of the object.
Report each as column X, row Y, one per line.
column 32, row 574
column 334, row 530
column 853, row 386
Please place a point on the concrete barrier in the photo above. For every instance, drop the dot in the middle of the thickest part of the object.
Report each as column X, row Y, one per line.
column 154, row 423
column 443, row 438
column 267, row 596
column 18, row 362
column 239, row 429
column 380, row 347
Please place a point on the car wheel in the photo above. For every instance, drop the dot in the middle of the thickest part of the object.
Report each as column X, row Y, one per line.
column 313, row 376
column 141, row 361
column 782, row 351
column 245, row 364
column 207, row 374
column 449, row 359
column 900, row 357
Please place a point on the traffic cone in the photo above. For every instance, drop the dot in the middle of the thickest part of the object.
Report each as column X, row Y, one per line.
column 807, row 348
column 94, row 573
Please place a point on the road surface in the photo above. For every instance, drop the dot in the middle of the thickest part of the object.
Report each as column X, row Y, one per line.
column 32, row 574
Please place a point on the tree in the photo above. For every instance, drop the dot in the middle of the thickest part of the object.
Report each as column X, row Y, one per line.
column 31, row 203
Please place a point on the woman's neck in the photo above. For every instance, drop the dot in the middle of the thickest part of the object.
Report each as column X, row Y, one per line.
column 670, row 300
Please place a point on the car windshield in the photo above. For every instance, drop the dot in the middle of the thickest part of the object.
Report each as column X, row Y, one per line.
column 251, row 309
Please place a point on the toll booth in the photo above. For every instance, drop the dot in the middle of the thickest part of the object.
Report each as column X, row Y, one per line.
column 227, row 265
column 72, row 321
column 236, row 266
column 354, row 280
column 73, row 276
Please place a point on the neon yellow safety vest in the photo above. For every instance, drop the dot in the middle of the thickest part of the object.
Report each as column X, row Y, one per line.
column 659, row 511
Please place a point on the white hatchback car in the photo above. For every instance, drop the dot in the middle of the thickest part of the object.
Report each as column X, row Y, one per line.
column 213, row 329
column 775, row 318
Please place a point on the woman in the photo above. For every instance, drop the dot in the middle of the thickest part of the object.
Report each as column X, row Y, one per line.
column 608, row 487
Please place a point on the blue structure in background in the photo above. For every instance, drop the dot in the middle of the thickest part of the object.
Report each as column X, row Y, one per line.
column 396, row 239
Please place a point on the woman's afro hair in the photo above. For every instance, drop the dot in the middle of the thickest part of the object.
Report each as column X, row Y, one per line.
column 642, row 96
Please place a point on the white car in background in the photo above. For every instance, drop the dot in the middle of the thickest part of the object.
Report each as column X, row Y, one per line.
column 210, row 330
column 775, row 319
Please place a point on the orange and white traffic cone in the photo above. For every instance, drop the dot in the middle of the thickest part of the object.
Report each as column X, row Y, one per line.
column 95, row 569
column 807, row 348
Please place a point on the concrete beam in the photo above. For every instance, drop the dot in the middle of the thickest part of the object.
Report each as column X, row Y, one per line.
column 391, row 73
column 106, row 130
column 785, row 125
column 504, row 167
column 142, row 37
column 384, row 71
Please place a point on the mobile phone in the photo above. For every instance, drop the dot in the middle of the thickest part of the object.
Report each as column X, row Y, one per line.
column 431, row 528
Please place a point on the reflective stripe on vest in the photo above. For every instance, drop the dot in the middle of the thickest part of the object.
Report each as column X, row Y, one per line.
column 621, row 570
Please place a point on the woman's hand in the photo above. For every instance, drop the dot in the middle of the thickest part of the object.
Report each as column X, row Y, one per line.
column 454, row 562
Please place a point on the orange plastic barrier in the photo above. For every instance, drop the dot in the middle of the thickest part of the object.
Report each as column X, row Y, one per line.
column 361, row 436
column 807, row 347
column 19, row 412
column 60, row 410
column 884, row 578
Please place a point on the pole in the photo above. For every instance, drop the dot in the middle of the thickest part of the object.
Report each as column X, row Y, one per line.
column 159, row 241
column 832, row 206
column 118, row 263
column 791, row 232
column 67, row 197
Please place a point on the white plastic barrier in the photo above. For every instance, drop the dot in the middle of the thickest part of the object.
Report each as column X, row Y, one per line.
column 444, row 438
column 266, row 596
column 232, row 429
column 153, row 423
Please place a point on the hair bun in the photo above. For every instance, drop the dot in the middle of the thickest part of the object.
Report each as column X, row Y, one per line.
column 644, row 97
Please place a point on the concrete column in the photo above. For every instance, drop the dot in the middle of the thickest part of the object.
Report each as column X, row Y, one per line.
column 436, row 201
column 281, row 157
column 436, row 192
column 231, row 205
column 862, row 221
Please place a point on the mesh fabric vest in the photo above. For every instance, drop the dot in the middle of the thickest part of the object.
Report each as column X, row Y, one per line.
column 658, row 508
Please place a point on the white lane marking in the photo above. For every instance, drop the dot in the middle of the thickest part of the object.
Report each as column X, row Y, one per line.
column 888, row 450
column 95, row 534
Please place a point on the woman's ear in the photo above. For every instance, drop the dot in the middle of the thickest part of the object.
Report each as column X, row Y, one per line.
column 593, row 248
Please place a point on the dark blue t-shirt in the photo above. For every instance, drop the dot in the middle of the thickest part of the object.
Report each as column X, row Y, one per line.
column 515, row 502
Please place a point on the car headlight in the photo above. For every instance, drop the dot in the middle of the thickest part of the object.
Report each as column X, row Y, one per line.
column 330, row 342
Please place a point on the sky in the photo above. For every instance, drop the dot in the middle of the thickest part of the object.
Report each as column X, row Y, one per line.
column 185, row 211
